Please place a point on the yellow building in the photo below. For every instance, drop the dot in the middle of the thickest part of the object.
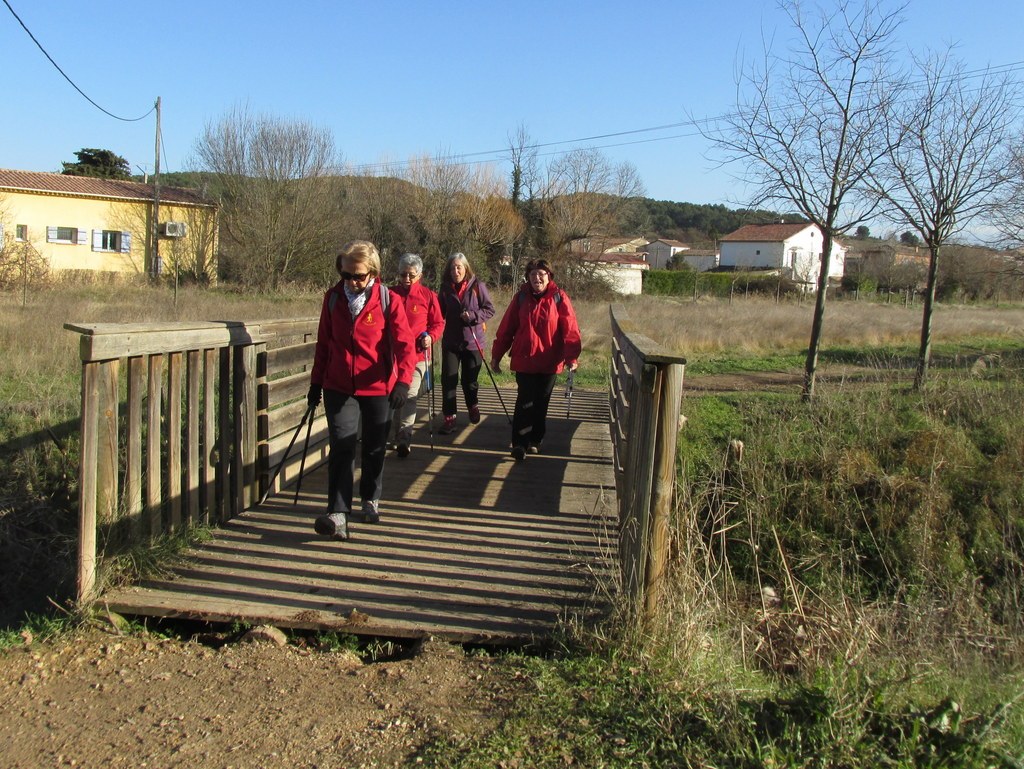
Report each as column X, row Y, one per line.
column 106, row 225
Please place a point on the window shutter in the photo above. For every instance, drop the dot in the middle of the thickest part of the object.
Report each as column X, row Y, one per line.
column 97, row 240
column 51, row 234
column 83, row 237
column 126, row 242
column 1, row 234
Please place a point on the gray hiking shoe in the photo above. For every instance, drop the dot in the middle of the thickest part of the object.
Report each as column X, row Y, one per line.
column 370, row 512
column 333, row 525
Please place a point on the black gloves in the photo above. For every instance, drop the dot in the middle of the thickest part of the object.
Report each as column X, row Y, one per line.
column 313, row 397
column 399, row 396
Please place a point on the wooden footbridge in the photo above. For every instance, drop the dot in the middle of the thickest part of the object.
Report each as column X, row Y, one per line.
column 184, row 426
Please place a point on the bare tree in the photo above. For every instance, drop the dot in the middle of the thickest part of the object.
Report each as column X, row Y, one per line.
column 490, row 219
column 438, row 186
column 1009, row 214
column 583, row 194
column 806, row 125
column 946, row 163
column 280, row 196
column 379, row 208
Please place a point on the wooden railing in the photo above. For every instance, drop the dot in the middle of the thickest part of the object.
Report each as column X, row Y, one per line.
column 183, row 424
column 646, row 391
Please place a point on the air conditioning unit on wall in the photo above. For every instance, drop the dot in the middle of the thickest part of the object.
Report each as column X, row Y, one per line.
column 173, row 229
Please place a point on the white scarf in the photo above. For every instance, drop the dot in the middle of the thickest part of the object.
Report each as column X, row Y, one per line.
column 357, row 299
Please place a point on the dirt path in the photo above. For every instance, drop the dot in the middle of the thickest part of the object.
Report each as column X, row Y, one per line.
column 102, row 699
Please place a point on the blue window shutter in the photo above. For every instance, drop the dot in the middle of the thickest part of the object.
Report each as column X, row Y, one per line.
column 83, row 237
column 1, row 234
column 51, row 234
column 97, row 240
column 126, row 242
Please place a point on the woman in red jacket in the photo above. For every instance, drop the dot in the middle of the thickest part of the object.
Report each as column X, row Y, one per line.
column 363, row 364
column 540, row 333
column 427, row 324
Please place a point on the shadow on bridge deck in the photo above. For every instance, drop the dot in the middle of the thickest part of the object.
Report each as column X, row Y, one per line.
column 471, row 546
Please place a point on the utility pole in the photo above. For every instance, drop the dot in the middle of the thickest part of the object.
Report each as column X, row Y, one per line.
column 156, row 267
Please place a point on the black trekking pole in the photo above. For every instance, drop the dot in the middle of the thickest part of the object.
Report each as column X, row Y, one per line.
column 270, row 485
column 568, row 392
column 491, row 375
column 302, row 463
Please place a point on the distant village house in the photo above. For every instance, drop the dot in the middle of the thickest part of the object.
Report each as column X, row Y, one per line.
column 660, row 252
column 793, row 249
column 618, row 261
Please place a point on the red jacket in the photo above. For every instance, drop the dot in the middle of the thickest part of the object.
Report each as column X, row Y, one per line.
column 358, row 357
column 423, row 312
column 539, row 333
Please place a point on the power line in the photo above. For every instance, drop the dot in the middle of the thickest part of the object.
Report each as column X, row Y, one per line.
column 73, row 84
column 488, row 156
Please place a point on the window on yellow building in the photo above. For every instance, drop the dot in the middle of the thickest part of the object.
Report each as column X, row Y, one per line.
column 112, row 241
column 71, row 235
column 21, row 232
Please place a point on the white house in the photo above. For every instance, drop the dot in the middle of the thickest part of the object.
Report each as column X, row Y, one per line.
column 623, row 271
column 699, row 259
column 793, row 248
column 661, row 251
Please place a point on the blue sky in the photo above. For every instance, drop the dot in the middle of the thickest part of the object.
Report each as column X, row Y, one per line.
column 394, row 79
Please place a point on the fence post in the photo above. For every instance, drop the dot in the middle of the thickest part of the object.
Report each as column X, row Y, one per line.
column 670, row 392
column 87, row 482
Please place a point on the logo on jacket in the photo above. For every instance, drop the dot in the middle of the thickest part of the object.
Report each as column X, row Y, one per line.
column 369, row 319
column 414, row 309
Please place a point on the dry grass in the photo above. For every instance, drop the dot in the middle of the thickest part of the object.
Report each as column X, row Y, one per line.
column 760, row 325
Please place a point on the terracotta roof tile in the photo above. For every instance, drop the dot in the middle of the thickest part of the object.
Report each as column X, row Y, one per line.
column 765, row 233
column 35, row 181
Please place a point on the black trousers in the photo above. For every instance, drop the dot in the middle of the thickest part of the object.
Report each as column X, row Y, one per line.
column 344, row 413
column 469, row 361
column 533, row 396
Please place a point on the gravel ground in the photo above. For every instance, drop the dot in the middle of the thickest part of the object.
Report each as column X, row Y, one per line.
column 101, row 699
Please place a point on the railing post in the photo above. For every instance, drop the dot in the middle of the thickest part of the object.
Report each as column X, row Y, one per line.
column 87, row 482
column 174, row 441
column 245, row 421
column 664, row 479
column 133, row 445
column 193, row 377
column 154, row 466
column 107, row 511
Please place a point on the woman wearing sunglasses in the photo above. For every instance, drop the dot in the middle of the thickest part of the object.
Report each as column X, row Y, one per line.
column 363, row 366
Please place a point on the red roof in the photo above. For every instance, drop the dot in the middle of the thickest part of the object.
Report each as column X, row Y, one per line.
column 85, row 186
column 766, row 233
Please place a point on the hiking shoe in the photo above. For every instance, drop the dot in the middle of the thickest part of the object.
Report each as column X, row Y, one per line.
column 474, row 414
column 333, row 525
column 534, row 448
column 449, row 425
column 518, row 453
column 370, row 512
column 403, row 450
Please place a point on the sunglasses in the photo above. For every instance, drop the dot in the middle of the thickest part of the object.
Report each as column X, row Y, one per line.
column 359, row 277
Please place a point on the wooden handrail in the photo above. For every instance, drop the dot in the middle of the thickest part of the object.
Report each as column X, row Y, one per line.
column 188, row 430
column 645, row 396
